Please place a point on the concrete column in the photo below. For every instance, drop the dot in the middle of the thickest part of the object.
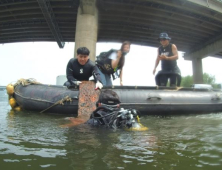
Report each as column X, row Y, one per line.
column 197, row 71
column 87, row 27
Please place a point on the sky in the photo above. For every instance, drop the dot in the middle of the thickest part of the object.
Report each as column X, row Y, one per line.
column 44, row 61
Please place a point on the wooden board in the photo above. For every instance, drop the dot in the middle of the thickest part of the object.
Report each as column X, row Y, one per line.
column 88, row 97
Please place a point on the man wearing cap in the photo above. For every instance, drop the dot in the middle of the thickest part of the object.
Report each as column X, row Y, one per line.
column 167, row 54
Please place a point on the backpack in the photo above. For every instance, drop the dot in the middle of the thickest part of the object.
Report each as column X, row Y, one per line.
column 104, row 63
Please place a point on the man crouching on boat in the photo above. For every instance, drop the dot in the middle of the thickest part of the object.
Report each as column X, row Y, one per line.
column 81, row 69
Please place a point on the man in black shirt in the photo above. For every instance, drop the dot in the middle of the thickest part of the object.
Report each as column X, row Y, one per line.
column 167, row 54
column 81, row 69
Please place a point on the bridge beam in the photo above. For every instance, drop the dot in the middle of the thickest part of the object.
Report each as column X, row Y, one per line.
column 51, row 21
column 197, row 71
column 212, row 4
column 87, row 27
column 208, row 50
column 196, row 57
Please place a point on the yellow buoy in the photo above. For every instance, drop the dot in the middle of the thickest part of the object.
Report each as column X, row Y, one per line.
column 10, row 89
column 18, row 108
column 12, row 102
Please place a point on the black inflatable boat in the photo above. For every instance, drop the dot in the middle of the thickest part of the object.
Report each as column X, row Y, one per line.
column 148, row 100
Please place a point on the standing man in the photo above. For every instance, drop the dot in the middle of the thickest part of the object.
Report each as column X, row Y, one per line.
column 81, row 69
column 167, row 54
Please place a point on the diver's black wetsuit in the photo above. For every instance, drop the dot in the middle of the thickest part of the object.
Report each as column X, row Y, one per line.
column 169, row 68
column 78, row 72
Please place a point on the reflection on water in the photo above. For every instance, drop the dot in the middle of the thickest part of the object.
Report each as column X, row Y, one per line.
column 30, row 140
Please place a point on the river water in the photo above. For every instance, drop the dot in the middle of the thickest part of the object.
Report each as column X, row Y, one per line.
column 30, row 140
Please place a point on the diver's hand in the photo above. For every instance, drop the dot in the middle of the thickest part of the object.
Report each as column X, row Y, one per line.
column 76, row 82
column 99, row 85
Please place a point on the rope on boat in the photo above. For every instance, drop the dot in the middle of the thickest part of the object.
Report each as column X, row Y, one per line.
column 179, row 88
column 11, row 90
column 65, row 99
column 26, row 82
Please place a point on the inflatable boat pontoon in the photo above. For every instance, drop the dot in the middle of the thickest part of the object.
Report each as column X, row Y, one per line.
column 148, row 100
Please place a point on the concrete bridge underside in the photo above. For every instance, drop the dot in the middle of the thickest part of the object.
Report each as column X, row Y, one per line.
column 195, row 26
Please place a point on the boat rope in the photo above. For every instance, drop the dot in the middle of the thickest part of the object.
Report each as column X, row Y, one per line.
column 178, row 88
column 26, row 82
column 67, row 98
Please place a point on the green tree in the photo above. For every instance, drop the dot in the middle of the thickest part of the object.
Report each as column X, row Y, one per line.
column 187, row 81
column 208, row 79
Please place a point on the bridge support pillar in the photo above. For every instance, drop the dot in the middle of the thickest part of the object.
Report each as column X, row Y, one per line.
column 197, row 71
column 87, row 27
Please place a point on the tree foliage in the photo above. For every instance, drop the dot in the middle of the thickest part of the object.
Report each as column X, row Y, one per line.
column 208, row 79
column 187, row 81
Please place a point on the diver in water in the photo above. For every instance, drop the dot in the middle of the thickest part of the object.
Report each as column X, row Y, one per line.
column 114, row 117
column 109, row 114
